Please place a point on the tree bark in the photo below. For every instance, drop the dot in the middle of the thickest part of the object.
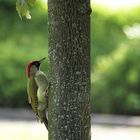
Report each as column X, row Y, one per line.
column 69, row 67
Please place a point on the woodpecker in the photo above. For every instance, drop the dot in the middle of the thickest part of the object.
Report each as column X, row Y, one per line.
column 37, row 89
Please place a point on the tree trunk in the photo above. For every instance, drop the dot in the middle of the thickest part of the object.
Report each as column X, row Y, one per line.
column 69, row 63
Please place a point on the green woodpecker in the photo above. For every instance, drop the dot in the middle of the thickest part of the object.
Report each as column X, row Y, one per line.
column 37, row 89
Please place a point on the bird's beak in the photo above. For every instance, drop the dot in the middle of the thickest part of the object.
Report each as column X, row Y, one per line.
column 41, row 60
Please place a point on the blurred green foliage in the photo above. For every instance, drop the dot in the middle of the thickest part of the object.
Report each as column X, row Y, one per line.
column 116, row 81
column 115, row 62
column 20, row 42
column 115, row 57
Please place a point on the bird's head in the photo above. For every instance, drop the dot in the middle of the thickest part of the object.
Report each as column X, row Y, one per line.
column 33, row 66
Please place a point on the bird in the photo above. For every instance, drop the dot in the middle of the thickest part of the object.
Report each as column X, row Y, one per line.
column 37, row 90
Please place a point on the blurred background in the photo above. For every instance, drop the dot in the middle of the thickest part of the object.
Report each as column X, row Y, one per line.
column 115, row 67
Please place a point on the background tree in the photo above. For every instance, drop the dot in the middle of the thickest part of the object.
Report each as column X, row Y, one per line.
column 69, row 67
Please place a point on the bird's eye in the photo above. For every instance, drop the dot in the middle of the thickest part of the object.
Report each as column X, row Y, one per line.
column 37, row 64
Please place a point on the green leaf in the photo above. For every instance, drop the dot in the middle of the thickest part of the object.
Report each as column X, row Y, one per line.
column 31, row 2
column 23, row 8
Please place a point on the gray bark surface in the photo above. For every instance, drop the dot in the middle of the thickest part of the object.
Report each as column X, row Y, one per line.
column 69, row 63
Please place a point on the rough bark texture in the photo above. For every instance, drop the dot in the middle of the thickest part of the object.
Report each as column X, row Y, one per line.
column 69, row 62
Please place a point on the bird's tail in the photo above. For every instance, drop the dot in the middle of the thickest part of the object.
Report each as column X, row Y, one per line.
column 45, row 121
column 43, row 118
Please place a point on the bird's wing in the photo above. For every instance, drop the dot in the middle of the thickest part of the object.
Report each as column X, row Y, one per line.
column 32, row 93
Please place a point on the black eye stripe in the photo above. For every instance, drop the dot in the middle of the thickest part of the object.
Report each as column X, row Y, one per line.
column 36, row 64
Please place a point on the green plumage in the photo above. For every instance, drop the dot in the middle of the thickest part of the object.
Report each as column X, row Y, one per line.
column 37, row 96
column 32, row 94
